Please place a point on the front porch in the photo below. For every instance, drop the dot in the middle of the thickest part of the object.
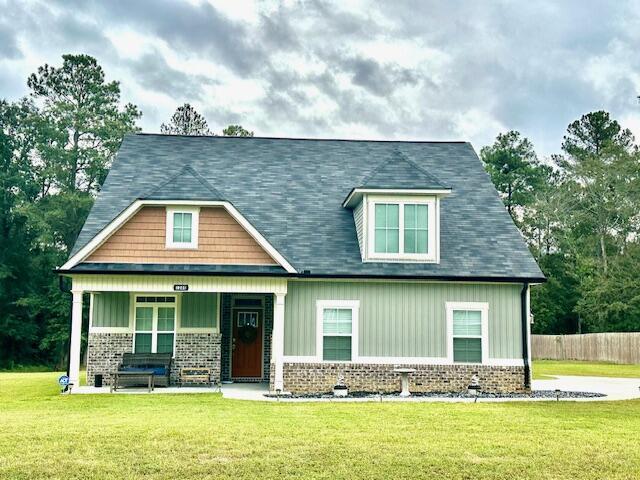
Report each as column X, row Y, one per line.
column 231, row 326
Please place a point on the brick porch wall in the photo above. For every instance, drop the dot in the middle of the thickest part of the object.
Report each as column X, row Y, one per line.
column 196, row 350
column 104, row 354
column 300, row 378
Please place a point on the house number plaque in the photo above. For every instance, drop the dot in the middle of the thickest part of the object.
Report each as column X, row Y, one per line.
column 180, row 288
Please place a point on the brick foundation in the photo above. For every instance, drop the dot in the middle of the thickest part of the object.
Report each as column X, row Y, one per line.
column 197, row 350
column 302, row 378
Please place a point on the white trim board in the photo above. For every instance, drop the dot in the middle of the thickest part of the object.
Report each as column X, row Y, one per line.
column 356, row 194
column 132, row 209
column 492, row 362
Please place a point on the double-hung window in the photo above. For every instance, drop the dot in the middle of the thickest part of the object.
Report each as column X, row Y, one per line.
column 337, row 330
column 468, row 332
column 182, row 227
column 155, row 324
column 402, row 229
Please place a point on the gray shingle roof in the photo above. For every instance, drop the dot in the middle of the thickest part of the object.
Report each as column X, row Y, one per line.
column 291, row 190
column 400, row 172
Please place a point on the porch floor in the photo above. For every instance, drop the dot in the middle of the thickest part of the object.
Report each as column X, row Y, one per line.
column 236, row 391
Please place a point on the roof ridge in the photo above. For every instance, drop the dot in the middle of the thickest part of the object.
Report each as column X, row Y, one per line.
column 397, row 154
column 183, row 170
column 419, row 168
column 309, row 139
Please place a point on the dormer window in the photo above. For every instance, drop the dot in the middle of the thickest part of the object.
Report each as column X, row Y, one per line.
column 401, row 228
column 182, row 227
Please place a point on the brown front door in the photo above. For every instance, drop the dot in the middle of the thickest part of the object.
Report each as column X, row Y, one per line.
column 247, row 344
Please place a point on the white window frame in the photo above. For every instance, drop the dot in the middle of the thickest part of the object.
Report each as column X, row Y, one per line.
column 433, row 237
column 195, row 221
column 154, row 322
column 321, row 305
column 483, row 308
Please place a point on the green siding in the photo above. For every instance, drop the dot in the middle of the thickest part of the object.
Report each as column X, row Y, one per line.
column 199, row 310
column 111, row 309
column 403, row 319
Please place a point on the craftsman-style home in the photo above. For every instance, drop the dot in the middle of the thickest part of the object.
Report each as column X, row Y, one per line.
column 304, row 263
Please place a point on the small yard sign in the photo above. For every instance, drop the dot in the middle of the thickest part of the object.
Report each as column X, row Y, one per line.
column 180, row 287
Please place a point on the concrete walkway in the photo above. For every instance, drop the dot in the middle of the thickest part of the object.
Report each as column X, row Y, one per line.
column 613, row 388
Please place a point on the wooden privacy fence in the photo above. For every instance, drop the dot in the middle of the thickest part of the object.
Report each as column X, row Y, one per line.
column 600, row 347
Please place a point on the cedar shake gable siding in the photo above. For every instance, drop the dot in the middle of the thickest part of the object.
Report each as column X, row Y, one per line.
column 142, row 239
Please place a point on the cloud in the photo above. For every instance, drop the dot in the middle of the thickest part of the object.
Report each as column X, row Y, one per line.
column 8, row 44
column 406, row 69
column 152, row 71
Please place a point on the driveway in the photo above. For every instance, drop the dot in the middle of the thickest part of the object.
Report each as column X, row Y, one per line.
column 613, row 388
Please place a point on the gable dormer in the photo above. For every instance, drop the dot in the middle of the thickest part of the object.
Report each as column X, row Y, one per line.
column 396, row 212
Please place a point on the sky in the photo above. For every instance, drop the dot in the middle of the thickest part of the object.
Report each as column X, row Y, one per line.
column 408, row 70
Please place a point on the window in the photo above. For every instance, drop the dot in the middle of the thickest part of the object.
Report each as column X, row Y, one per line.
column 337, row 332
column 247, row 319
column 416, row 228
column 387, row 228
column 468, row 332
column 182, row 227
column 402, row 228
column 155, row 321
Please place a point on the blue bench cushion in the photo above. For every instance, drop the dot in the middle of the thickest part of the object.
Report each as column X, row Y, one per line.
column 142, row 368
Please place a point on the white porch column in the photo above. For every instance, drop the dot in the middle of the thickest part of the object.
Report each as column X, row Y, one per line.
column 277, row 342
column 76, row 330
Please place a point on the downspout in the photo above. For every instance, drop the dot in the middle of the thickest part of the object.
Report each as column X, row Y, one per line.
column 525, row 339
column 62, row 289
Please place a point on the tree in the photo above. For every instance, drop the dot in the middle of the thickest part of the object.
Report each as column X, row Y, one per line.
column 18, row 336
column 514, row 169
column 186, row 121
column 603, row 170
column 82, row 122
column 236, row 131
column 55, row 150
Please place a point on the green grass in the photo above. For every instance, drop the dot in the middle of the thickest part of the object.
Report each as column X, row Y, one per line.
column 545, row 369
column 46, row 435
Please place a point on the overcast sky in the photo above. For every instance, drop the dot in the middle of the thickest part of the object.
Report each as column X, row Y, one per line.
column 382, row 70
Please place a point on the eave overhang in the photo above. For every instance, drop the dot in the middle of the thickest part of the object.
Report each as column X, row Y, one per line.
column 356, row 194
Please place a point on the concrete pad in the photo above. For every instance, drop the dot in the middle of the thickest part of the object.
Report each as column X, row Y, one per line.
column 613, row 388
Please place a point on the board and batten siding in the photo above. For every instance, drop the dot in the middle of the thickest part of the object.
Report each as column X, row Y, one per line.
column 199, row 310
column 110, row 310
column 221, row 240
column 113, row 310
column 403, row 319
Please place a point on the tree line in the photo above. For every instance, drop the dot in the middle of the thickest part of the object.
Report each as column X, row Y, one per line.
column 56, row 146
column 578, row 212
column 580, row 215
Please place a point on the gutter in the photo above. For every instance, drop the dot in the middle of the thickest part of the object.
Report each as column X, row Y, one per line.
column 525, row 338
column 306, row 275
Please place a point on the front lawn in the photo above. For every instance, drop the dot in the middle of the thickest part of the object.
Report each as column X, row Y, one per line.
column 544, row 369
column 45, row 435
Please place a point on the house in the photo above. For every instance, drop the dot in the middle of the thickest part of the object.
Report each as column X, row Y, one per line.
column 299, row 261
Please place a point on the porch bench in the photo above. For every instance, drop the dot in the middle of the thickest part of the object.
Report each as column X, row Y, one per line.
column 143, row 369
column 195, row 376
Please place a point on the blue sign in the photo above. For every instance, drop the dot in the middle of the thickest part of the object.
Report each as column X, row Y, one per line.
column 63, row 381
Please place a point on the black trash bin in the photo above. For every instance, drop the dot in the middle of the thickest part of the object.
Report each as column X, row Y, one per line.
column 97, row 381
